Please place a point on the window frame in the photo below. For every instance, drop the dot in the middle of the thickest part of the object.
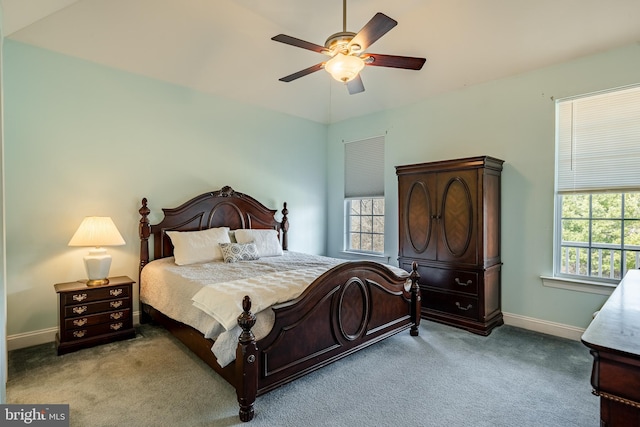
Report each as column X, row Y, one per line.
column 348, row 225
column 364, row 179
column 578, row 145
column 562, row 248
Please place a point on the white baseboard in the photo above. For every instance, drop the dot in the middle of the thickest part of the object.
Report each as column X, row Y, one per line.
column 543, row 326
column 43, row 336
column 28, row 339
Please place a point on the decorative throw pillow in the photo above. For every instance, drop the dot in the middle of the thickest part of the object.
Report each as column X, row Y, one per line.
column 190, row 247
column 234, row 252
column 266, row 241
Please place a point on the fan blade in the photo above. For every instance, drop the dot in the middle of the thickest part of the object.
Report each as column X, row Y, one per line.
column 355, row 86
column 299, row 43
column 302, row 73
column 377, row 27
column 406, row 62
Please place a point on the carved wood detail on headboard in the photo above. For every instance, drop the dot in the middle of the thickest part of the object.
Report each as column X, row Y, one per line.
column 221, row 208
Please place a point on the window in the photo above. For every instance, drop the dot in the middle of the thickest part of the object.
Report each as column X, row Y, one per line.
column 600, row 234
column 364, row 196
column 597, row 232
column 365, row 219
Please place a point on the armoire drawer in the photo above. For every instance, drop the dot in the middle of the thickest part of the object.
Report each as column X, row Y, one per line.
column 451, row 280
column 452, row 303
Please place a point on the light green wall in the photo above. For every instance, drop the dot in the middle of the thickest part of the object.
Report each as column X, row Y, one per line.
column 3, row 292
column 82, row 139
column 512, row 119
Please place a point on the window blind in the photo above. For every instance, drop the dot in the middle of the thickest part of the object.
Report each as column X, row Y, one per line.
column 364, row 168
column 598, row 142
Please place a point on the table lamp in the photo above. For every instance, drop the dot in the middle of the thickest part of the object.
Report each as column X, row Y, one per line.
column 97, row 231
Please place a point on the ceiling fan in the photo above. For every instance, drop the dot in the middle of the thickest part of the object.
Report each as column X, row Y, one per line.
column 347, row 52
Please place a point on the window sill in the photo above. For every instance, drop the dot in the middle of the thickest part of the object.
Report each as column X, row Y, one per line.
column 361, row 255
column 578, row 285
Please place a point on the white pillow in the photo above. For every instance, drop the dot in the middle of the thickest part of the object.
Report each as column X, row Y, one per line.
column 190, row 247
column 266, row 241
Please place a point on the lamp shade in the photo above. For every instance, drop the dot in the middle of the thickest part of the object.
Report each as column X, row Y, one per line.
column 97, row 231
column 343, row 67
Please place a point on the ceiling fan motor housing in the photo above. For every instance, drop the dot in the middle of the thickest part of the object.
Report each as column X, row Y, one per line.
column 339, row 42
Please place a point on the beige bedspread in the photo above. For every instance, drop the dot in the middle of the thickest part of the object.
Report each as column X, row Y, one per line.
column 171, row 289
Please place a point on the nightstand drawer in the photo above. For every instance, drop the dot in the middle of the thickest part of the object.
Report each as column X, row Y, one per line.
column 101, row 329
column 95, row 319
column 98, row 294
column 96, row 307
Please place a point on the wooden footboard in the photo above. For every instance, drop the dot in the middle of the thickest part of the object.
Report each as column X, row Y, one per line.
column 346, row 309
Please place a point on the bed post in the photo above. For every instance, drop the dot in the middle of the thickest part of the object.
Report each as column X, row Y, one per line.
column 284, row 226
column 144, row 230
column 416, row 299
column 246, row 363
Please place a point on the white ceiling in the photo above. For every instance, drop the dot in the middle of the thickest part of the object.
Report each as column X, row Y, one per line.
column 224, row 47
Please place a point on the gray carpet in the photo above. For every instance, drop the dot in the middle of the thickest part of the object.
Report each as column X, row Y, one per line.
column 444, row 377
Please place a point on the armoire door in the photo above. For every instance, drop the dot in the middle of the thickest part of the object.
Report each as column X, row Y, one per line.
column 457, row 216
column 418, row 207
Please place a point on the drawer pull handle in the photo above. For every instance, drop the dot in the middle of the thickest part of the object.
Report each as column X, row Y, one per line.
column 80, row 297
column 116, row 316
column 80, row 322
column 116, row 304
column 116, row 326
column 115, row 292
column 468, row 307
column 80, row 310
column 463, row 284
column 79, row 334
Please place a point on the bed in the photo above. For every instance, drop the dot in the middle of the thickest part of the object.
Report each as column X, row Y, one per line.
column 350, row 306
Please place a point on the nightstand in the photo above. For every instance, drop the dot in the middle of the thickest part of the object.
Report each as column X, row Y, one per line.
column 92, row 315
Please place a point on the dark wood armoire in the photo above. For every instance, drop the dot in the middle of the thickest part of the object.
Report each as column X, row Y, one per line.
column 449, row 215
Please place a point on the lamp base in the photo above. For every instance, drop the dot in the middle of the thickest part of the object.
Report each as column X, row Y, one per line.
column 97, row 282
column 97, row 264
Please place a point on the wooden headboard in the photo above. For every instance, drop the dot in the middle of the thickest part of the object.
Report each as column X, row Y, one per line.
column 222, row 208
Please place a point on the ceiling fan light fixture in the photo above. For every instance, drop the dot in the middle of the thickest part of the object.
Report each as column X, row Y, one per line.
column 343, row 67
